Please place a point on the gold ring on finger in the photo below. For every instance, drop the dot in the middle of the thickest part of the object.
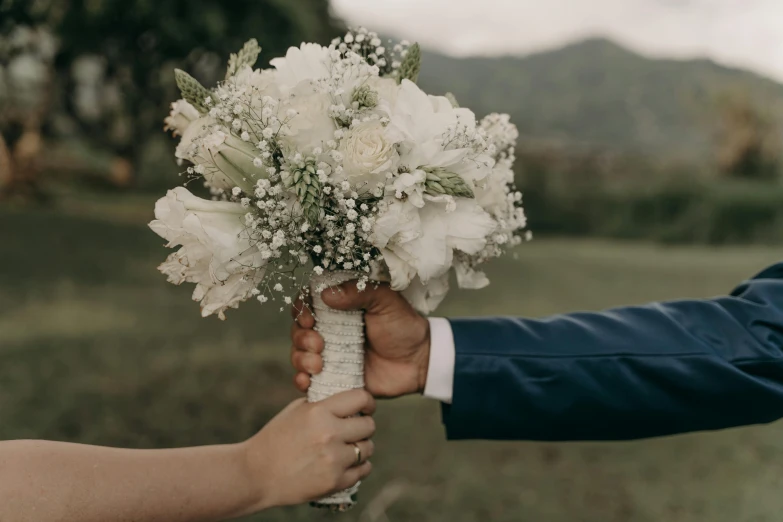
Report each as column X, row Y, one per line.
column 358, row 452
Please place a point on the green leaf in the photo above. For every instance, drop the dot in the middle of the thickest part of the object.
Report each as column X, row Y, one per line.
column 411, row 64
column 246, row 56
column 192, row 91
column 307, row 188
column 441, row 182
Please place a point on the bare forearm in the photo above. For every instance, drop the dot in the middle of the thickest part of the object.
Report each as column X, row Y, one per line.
column 41, row 480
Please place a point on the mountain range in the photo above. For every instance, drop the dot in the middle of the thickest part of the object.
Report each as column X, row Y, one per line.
column 598, row 94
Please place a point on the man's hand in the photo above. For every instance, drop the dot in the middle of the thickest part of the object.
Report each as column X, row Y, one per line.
column 397, row 340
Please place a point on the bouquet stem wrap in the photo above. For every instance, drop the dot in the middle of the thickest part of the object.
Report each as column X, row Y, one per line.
column 343, row 358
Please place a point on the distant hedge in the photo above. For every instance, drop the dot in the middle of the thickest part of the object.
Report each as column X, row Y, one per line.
column 718, row 212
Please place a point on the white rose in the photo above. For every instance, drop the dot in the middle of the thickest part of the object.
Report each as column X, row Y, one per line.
column 181, row 116
column 216, row 254
column 368, row 152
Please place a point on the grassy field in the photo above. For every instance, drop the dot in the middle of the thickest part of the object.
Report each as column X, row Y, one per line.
column 95, row 347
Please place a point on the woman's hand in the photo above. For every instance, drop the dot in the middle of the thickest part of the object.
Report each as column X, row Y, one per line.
column 307, row 452
column 303, row 453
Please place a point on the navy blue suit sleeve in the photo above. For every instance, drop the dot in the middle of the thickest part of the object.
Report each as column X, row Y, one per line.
column 628, row 373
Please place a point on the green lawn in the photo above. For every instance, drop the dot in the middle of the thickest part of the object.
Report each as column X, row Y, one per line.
column 96, row 347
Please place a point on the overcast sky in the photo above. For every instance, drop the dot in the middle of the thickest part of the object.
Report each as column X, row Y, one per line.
column 744, row 33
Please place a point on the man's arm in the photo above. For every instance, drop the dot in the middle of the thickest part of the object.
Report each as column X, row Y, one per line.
column 628, row 373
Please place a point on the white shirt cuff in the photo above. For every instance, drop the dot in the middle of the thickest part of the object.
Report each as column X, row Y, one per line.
column 440, row 374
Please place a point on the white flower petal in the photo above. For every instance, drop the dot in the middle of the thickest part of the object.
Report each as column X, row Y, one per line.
column 426, row 298
column 215, row 252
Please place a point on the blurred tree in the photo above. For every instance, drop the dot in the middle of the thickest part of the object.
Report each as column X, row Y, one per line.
column 115, row 60
column 747, row 141
column 26, row 74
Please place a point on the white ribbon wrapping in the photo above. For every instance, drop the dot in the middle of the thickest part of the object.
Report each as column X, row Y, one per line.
column 343, row 357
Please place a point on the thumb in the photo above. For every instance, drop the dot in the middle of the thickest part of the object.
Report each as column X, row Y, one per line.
column 347, row 297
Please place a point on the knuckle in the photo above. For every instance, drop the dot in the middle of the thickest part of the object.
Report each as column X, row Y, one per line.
column 329, row 458
column 327, row 437
column 302, row 381
column 311, row 341
column 315, row 416
column 311, row 362
column 369, row 400
column 297, row 336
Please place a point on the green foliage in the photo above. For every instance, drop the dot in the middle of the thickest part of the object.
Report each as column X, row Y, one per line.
column 191, row 90
column 411, row 64
column 748, row 140
column 715, row 213
column 141, row 41
column 247, row 56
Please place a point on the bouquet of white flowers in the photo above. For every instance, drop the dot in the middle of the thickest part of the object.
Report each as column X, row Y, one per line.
column 333, row 165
